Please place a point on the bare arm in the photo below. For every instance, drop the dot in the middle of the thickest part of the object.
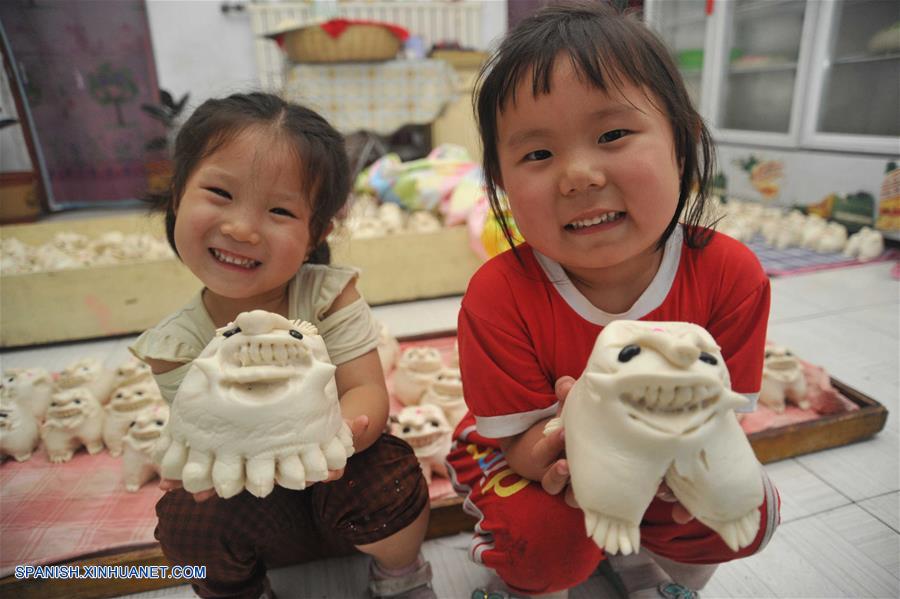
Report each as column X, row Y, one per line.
column 539, row 457
column 530, row 453
column 360, row 384
column 160, row 366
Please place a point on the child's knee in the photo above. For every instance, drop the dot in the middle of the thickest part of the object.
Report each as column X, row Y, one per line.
column 382, row 492
column 187, row 530
column 533, row 568
column 545, row 556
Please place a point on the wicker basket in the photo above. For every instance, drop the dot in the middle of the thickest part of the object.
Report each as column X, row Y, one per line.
column 358, row 43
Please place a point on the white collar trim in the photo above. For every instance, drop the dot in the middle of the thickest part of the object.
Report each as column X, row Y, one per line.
column 653, row 295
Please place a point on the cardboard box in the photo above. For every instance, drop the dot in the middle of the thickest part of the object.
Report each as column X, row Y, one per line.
column 68, row 305
column 18, row 197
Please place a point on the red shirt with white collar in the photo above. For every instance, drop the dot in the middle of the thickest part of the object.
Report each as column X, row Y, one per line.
column 521, row 327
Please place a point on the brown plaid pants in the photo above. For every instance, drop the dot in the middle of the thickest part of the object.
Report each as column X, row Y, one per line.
column 382, row 491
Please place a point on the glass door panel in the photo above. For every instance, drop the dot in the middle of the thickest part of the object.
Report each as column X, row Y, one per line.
column 861, row 95
column 682, row 25
column 762, row 54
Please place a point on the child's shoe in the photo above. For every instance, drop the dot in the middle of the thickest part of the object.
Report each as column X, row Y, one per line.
column 496, row 589
column 673, row 590
column 413, row 582
column 638, row 576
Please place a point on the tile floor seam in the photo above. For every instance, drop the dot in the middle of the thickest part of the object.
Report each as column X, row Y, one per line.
column 835, row 508
column 823, row 481
column 819, row 513
column 834, row 312
column 874, row 515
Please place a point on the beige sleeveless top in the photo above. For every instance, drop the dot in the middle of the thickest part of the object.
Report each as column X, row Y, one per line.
column 348, row 333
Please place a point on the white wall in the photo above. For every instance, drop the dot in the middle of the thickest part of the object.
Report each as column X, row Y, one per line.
column 493, row 23
column 199, row 50
column 207, row 53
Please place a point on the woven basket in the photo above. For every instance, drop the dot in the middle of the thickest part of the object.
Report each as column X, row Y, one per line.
column 358, row 43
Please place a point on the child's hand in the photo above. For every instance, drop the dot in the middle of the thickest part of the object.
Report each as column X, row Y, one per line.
column 548, row 450
column 168, row 484
column 679, row 514
column 357, row 426
column 557, row 476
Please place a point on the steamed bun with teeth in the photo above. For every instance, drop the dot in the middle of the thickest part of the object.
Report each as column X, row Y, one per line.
column 258, row 407
column 655, row 403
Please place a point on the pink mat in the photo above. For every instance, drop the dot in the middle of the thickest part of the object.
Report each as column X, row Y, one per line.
column 55, row 512
column 50, row 513
column 439, row 488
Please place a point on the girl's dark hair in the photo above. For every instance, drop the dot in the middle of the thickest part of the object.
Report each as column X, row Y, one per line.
column 319, row 148
column 605, row 47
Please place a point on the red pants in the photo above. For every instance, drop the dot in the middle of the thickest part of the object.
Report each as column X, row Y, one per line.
column 537, row 543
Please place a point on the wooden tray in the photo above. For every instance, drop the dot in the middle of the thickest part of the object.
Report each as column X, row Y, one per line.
column 129, row 298
column 784, row 442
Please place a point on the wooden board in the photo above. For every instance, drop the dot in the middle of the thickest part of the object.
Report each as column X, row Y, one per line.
column 784, row 442
column 88, row 303
column 409, row 266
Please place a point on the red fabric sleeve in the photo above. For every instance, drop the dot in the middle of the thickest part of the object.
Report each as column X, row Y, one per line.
column 741, row 333
column 505, row 386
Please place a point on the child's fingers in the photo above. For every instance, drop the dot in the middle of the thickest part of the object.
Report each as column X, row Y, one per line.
column 548, row 449
column 556, row 477
column 334, row 475
column 680, row 515
column 665, row 493
column 562, row 387
column 358, row 426
column 168, row 484
column 204, row 495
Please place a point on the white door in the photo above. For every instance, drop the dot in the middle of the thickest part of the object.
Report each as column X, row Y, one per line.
column 685, row 27
column 855, row 78
column 761, row 60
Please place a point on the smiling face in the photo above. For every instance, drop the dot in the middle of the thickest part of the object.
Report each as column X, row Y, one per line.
column 132, row 371
column 424, row 427
column 422, row 359
column 79, row 373
column 263, row 383
column 592, row 177
column 147, row 427
column 781, row 364
column 242, row 224
column 134, row 397
column 70, row 408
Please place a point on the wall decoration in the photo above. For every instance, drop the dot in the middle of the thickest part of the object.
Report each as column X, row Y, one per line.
column 765, row 175
column 889, row 199
column 87, row 66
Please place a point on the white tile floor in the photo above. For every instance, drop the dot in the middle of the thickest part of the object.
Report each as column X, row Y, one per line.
column 840, row 535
